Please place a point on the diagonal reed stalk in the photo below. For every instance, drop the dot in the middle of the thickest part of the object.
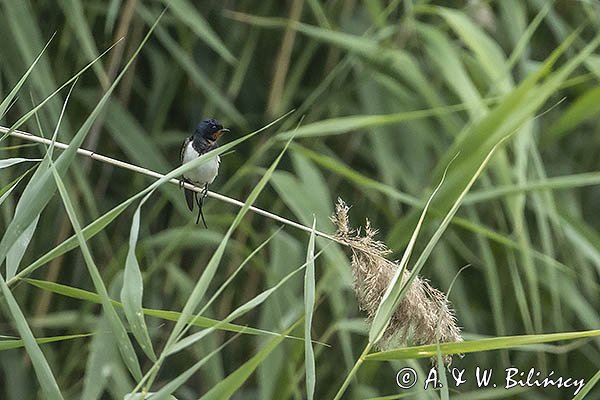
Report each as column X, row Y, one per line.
column 148, row 172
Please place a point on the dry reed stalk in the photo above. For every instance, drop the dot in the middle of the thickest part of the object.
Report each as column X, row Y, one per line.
column 423, row 316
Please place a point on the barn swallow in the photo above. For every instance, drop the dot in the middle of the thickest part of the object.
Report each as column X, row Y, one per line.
column 203, row 140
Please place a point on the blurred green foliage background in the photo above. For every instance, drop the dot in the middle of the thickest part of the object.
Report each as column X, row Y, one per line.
column 385, row 93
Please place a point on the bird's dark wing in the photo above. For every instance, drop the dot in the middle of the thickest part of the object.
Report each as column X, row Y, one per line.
column 189, row 195
column 183, row 146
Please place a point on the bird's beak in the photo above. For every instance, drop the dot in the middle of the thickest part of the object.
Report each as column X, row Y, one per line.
column 220, row 133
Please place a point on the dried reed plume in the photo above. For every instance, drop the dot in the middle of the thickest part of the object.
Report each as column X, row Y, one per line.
column 423, row 316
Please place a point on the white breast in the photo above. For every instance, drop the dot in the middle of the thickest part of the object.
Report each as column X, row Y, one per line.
column 206, row 173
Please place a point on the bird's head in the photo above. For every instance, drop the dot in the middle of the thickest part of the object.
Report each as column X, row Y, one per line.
column 210, row 129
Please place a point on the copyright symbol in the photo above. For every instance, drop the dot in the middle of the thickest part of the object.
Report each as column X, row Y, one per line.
column 406, row 378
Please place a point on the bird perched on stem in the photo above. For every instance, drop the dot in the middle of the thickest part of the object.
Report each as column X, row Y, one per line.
column 203, row 140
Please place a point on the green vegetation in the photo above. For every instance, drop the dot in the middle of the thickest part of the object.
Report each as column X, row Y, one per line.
column 465, row 131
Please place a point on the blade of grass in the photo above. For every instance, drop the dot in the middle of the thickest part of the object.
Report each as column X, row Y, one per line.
column 71, row 243
column 583, row 108
column 309, row 304
column 341, row 125
column 167, row 315
column 451, row 67
column 472, row 346
column 188, row 15
column 133, row 288
column 18, row 343
column 488, row 52
column 17, row 146
column 13, row 93
column 7, row 162
column 525, row 38
column 102, row 355
column 40, row 365
column 74, row 13
column 588, row 386
column 551, row 183
column 6, row 190
column 15, row 253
